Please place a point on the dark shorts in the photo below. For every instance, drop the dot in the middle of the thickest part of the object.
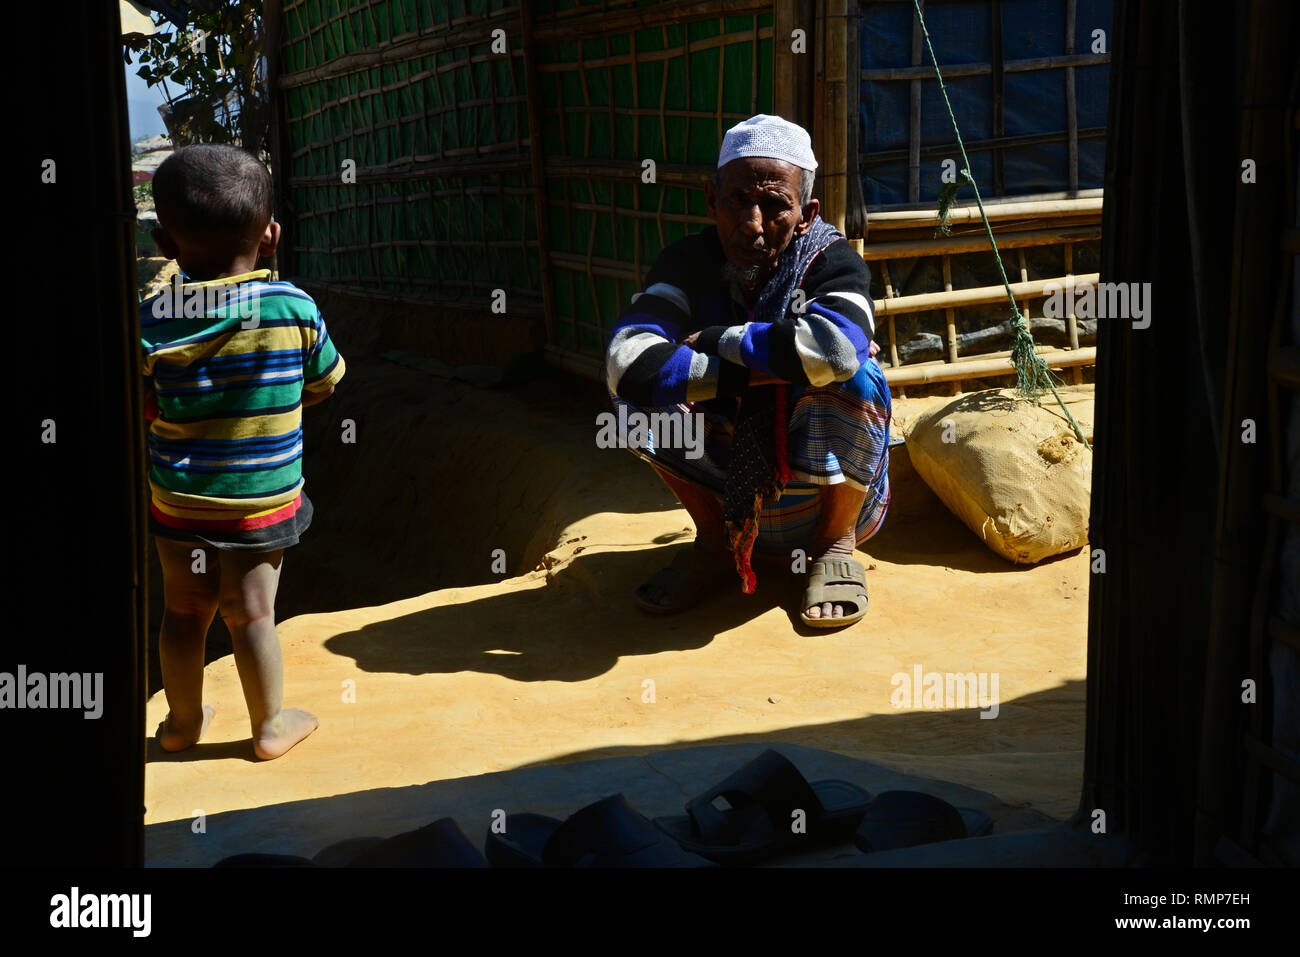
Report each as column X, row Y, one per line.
column 283, row 534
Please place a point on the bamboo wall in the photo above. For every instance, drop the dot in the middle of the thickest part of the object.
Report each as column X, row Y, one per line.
column 452, row 203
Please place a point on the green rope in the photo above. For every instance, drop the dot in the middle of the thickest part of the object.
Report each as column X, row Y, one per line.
column 1033, row 377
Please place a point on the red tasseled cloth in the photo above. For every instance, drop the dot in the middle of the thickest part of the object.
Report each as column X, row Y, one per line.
column 742, row 539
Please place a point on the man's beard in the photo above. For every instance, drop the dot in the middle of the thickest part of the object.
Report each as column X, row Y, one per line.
column 746, row 275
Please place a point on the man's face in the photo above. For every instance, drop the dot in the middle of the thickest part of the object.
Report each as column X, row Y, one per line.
column 756, row 207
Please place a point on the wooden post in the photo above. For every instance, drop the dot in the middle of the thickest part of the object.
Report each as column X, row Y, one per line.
column 784, row 64
column 975, row 295
column 999, row 97
column 894, row 361
column 914, row 123
column 951, row 315
column 926, row 373
column 1071, row 323
column 1071, row 108
column 538, row 169
column 834, row 159
column 280, row 144
column 856, row 216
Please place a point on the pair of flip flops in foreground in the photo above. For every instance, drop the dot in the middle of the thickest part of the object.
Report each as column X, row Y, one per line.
column 765, row 810
column 837, row 581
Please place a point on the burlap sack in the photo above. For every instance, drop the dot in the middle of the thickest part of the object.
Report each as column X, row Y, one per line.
column 1011, row 470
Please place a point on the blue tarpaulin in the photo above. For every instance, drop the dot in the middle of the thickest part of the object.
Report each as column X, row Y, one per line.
column 1034, row 103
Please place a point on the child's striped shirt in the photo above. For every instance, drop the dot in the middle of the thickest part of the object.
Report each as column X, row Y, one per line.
column 230, row 359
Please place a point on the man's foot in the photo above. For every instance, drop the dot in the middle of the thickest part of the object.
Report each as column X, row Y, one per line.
column 173, row 735
column 842, row 607
column 694, row 575
column 279, row 734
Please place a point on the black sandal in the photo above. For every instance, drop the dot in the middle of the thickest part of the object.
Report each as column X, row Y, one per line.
column 609, row 833
column 907, row 818
column 759, row 822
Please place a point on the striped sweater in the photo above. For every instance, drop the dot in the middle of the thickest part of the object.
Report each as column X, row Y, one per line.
column 226, row 444
column 686, row 292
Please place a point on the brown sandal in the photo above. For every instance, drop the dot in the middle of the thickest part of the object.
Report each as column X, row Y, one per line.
column 840, row 581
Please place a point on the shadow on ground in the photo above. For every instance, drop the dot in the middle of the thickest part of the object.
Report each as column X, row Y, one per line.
column 440, row 475
column 656, row 781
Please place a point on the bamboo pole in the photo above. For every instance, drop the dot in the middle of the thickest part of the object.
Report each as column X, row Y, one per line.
column 834, row 118
column 856, row 215
column 993, row 145
column 951, row 316
column 557, row 27
column 423, row 170
column 1071, row 323
column 897, row 378
column 538, row 170
column 983, row 368
column 980, row 295
column 999, row 96
column 991, row 203
column 959, row 70
column 783, row 61
column 914, row 121
column 977, row 242
column 913, row 218
column 671, row 174
column 405, row 49
column 818, row 128
column 890, row 293
column 279, row 139
column 1071, row 108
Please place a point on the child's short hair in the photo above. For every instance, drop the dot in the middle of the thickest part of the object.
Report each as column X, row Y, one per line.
column 213, row 190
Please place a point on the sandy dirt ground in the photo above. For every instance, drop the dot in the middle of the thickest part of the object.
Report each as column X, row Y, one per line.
column 424, row 665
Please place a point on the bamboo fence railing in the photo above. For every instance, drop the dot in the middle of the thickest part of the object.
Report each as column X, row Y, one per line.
column 479, row 171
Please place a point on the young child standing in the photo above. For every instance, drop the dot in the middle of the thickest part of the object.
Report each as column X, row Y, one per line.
column 233, row 360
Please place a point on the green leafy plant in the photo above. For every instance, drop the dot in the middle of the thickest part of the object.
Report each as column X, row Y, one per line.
column 217, row 64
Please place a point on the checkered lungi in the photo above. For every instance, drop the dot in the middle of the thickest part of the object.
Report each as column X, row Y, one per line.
column 838, row 433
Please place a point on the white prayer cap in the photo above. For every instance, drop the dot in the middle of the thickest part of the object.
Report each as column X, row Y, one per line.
column 771, row 137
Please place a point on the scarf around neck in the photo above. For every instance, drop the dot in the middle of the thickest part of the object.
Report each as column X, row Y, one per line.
column 757, row 468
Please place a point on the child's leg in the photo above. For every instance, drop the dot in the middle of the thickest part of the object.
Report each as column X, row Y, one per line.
column 248, row 585
column 191, row 591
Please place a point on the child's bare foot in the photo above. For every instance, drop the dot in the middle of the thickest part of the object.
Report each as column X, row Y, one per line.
column 282, row 732
column 173, row 736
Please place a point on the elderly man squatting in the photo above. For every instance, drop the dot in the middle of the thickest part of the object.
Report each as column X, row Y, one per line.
column 765, row 317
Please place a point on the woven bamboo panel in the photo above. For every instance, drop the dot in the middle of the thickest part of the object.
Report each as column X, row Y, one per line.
column 611, row 100
column 452, row 202
column 435, row 123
